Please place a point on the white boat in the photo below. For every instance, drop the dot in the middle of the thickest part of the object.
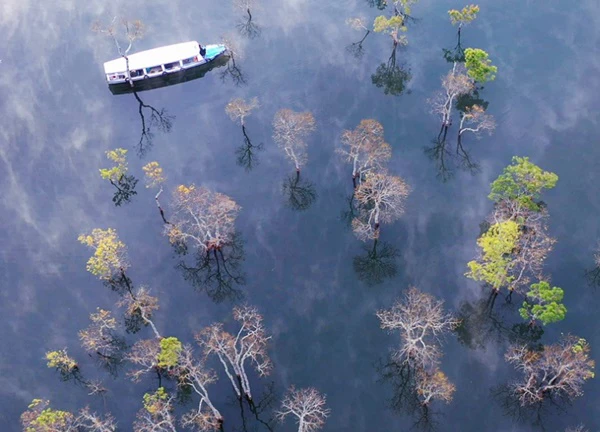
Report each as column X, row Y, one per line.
column 160, row 62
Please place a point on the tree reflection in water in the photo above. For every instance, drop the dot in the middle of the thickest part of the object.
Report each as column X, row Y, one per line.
column 300, row 193
column 217, row 271
column 378, row 264
column 390, row 76
column 159, row 119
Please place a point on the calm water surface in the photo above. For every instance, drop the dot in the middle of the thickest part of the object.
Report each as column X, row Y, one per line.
column 59, row 118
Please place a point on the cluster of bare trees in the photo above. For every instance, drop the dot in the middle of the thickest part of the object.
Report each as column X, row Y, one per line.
column 379, row 196
column 422, row 323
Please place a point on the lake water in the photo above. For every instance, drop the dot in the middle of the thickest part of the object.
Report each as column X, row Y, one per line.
column 59, row 118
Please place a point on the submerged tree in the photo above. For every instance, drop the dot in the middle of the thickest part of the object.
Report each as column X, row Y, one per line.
column 101, row 338
column 359, row 24
column 139, row 306
column 365, row 148
column 192, row 373
column 381, row 200
column 290, row 131
column 455, row 84
column 378, row 264
column 39, row 417
column 463, row 16
column 159, row 118
column 433, row 386
column 239, row 109
column 117, row 175
column 249, row 344
column 479, row 66
column 422, row 322
column 157, row 413
column 559, row 370
column 133, row 30
column 543, row 303
column 476, row 120
column 109, row 261
column 307, row 405
column 201, row 217
column 155, row 178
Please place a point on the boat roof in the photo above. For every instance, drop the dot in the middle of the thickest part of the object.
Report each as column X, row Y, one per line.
column 154, row 57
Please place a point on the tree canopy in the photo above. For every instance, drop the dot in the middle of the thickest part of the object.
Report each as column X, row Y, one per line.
column 544, row 304
column 463, row 16
column 479, row 66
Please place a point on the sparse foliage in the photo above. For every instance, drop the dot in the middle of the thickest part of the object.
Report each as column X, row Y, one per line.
column 248, row 345
column 381, row 200
column 559, row 370
column 463, row 16
column 139, row 307
column 455, row 83
column 476, row 120
column 239, row 109
column 434, row 385
column 157, row 413
column 365, row 148
column 144, row 354
column 307, row 405
column 290, row 131
column 100, row 336
column 201, row 216
column 39, row 417
column 117, row 175
column 154, row 174
column 422, row 322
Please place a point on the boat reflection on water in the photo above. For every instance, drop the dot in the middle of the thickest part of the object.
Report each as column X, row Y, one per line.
column 172, row 78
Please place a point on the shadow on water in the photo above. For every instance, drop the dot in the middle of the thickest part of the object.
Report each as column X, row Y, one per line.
column 178, row 77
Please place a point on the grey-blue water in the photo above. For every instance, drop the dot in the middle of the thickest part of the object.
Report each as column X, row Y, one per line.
column 59, row 118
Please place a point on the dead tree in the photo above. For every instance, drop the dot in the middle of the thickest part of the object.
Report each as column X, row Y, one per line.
column 248, row 345
column 100, row 337
column 559, row 370
column 307, row 405
column 455, row 83
column 290, row 130
column 381, row 200
column 192, row 373
column 202, row 217
column 365, row 148
column 422, row 323
column 139, row 306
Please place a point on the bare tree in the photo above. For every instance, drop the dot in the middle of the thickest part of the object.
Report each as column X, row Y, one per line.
column 133, row 30
column 248, row 345
column 365, row 148
column 39, row 417
column 559, row 370
column 100, row 337
column 157, row 413
column 290, row 130
column 193, row 374
column 239, row 109
column 359, row 24
column 307, row 405
column 144, row 354
column 476, row 120
column 422, row 323
column 434, row 385
column 381, row 200
column 159, row 118
column 201, row 216
column 139, row 307
column 455, row 83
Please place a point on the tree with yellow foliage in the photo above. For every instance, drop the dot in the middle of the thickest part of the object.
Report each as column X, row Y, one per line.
column 109, row 261
column 117, row 176
column 39, row 417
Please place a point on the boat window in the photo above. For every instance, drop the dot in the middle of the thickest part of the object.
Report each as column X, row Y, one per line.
column 137, row 73
column 153, row 69
column 172, row 65
column 189, row 60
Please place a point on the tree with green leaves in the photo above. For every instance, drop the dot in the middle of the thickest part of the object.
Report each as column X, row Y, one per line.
column 479, row 66
column 543, row 304
column 495, row 263
column 156, row 414
column 117, row 176
column 63, row 363
column 39, row 417
column 517, row 191
column 170, row 348
column 392, row 26
column 463, row 16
